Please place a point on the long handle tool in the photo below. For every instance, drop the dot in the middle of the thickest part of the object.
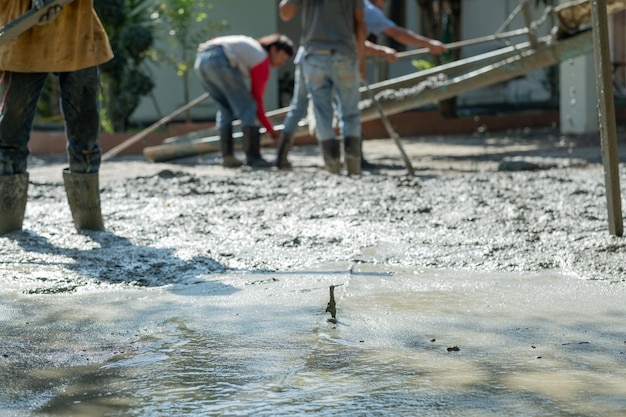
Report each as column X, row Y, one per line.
column 390, row 130
column 139, row 136
column 32, row 17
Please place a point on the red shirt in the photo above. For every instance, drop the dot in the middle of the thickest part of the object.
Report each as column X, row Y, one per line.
column 259, row 76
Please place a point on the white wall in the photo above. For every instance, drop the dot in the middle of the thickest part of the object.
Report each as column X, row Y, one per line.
column 243, row 17
column 484, row 17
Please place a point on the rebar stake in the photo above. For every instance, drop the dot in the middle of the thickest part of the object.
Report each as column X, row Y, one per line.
column 331, row 308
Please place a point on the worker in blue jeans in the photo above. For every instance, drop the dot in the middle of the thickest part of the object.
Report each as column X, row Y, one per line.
column 376, row 23
column 333, row 39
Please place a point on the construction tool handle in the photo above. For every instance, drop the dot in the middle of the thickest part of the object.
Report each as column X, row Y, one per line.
column 139, row 136
column 30, row 18
column 468, row 42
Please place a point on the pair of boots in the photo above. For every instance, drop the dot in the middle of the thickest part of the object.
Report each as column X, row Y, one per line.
column 251, row 146
column 331, row 151
column 83, row 196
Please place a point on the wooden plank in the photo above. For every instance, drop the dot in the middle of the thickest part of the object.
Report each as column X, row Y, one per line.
column 571, row 15
column 606, row 108
column 139, row 136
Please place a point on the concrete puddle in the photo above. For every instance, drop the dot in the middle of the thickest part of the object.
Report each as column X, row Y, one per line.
column 406, row 342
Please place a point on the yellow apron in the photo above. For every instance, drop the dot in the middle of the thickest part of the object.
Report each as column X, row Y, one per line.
column 74, row 40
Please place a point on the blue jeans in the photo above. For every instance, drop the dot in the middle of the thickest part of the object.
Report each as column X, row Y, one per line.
column 330, row 75
column 227, row 88
column 80, row 108
column 299, row 102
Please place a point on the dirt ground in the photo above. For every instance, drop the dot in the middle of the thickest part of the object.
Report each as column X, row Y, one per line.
column 523, row 201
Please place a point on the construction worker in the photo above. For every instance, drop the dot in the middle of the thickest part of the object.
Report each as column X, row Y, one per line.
column 376, row 23
column 223, row 65
column 333, row 37
column 72, row 44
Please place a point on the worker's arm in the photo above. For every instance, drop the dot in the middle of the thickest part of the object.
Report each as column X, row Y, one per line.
column 259, row 75
column 361, row 37
column 374, row 49
column 408, row 37
column 287, row 11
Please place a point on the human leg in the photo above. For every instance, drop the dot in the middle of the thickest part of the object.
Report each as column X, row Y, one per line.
column 230, row 91
column 319, row 78
column 80, row 107
column 13, row 194
column 297, row 110
column 19, row 93
column 252, row 147
column 347, row 87
column 227, row 146
column 211, row 66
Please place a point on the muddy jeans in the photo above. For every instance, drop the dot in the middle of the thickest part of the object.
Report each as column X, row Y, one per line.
column 330, row 75
column 80, row 108
column 227, row 87
column 299, row 102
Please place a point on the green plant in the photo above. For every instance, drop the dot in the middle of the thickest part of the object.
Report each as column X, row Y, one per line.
column 422, row 64
column 125, row 79
column 183, row 24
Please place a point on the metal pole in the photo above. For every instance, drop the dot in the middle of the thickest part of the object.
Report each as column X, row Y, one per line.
column 391, row 131
column 606, row 109
column 139, row 136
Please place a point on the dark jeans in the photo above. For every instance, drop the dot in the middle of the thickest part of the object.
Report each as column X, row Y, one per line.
column 80, row 108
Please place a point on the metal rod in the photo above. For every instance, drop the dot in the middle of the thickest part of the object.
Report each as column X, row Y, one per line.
column 391, row 131
column 139, row 136
column 468, row 42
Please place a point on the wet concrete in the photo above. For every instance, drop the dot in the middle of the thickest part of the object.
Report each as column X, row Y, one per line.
column 487, row 283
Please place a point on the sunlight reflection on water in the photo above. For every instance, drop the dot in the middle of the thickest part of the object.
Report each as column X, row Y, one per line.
column 266, row 351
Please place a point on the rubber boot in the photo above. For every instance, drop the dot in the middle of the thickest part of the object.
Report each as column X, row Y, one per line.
column 252, row 147
column 352, row 155
column 365, row 164
column 13, row 191
column 331, row 150
column 228, row 148
column 284, row 146
column 83, row 196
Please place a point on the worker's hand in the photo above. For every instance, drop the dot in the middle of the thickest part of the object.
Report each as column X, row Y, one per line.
column 49, row 15
column 436, row 48
column 390, row 54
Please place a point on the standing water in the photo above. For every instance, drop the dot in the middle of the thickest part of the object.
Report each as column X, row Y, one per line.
column 405, row 342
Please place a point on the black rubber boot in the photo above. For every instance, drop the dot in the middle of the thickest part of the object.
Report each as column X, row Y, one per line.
column 252, row 147
column 228, row 148
column 352, row 155
column 365, row 164
column 13, row 192
column 83, row 196
column 331, row 150
column 284, row 146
